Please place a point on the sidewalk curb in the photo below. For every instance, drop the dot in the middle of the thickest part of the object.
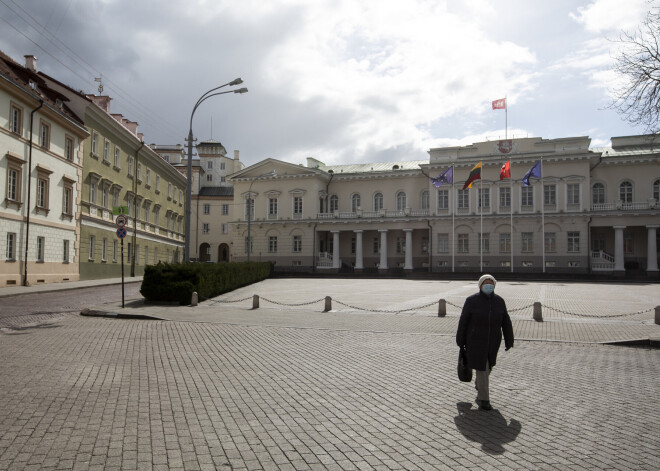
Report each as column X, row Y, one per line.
column 54, row 287
column 117, row 315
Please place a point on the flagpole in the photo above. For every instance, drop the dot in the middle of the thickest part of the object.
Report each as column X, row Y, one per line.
column 453, row 212
column 542, row 216
column 481, row 235
column 511, row 211
column 506, row 118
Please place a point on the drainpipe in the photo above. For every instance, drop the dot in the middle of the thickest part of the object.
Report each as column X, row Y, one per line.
column 27, row 217
column 589, row 246
column 135, row 203
column 314, row 248
column 428, row 221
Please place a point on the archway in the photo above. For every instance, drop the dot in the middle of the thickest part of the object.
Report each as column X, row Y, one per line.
column 204, row 252
column 223, row 253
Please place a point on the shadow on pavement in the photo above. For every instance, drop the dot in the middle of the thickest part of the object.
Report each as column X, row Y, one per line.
column 489, row 428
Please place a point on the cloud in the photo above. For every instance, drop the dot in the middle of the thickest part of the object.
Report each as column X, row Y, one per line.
column 603, row 16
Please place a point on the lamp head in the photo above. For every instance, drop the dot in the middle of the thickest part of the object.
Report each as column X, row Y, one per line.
column 241, row 90
column 237, row 81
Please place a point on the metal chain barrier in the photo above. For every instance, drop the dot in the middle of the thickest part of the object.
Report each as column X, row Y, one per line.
column 605, row 316
column 384, row 310
column 227, row 301
column 295, row 304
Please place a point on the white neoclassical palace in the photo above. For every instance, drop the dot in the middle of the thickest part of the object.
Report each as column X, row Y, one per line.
column 592, row 210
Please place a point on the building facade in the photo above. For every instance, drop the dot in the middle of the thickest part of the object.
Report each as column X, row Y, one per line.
column 212, row 201
column 41, row 175
column 121, row 173
column 590, row 210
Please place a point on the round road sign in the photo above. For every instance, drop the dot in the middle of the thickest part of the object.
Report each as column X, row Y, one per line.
column 121, row 232
column 121, row 221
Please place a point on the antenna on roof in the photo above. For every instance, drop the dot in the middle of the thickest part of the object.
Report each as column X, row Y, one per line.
column 100, row 81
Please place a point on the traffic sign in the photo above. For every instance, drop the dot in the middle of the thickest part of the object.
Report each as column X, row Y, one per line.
column 121, row 221
column 121, row 232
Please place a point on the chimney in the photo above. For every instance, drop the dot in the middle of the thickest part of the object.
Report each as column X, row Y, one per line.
column 117, row 116
column 141, row 136
column 236, row 155
column 130, row 125
column 30, row 62
column 102, row 101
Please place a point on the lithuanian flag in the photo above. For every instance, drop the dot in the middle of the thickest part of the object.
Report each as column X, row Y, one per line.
column 475, row 174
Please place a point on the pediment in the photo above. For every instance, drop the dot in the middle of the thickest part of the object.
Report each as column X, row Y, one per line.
column 280, row 168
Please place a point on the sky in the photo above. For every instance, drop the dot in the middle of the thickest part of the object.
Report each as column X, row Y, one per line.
column 343, row 81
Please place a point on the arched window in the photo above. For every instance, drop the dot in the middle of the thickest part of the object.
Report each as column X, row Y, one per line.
column 401, row 201
column 355, row 202
column 378, row 201
column 656, row 190
column 626, row 192
column 424, row 203
column 334, row 204
column 598, row 193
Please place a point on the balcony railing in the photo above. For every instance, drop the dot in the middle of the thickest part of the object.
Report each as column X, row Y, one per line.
column 624, row 206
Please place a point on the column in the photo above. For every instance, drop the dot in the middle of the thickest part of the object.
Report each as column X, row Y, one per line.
column 383, row 249
column 335, row 250
column 652, row 251
column 618, row 249
column 407, row 264
column 358, row 250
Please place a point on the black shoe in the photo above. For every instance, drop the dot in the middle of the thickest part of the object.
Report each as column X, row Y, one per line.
column 485, row 405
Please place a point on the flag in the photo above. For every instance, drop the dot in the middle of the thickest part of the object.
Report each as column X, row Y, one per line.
column 535, row 172
column 475, row 174
column 505, row 171
column 499, row 104
column 445, row 177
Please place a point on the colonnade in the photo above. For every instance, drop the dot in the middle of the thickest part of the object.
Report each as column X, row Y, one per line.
column 359, row 262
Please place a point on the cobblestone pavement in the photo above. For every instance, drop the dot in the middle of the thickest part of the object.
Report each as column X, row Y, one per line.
column 95, row 393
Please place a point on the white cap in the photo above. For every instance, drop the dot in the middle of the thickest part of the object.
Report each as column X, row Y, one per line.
column 486, row 277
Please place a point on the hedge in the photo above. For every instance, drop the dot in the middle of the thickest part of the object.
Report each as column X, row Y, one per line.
column 168, row 282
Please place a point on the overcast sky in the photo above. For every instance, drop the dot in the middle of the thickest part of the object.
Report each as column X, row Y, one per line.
column 344, row 81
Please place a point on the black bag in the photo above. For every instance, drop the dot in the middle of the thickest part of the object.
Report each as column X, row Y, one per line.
column 464, row 373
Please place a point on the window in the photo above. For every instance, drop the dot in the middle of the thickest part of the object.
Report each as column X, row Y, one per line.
column 222, row 165
column 106, row 151
column 527, row 196
column 484, row 198
column 425, row 245
column 400, row 245
column 130, row 166
column 598, row 193
column 463, row 199
column 68, row 148
column 209, row 164
column 376, row 245
column 148, row 177
column 272, row 244
column 114, row 250
column 180, row 197
column 272, row 206
column 505, row 197
column 573, row 241
column 207, row 208
column 91, row 247
column 209, row 177
column 95, row 144
column 14, row 175
column 573, row 194
column 626, row 192
column 65, row 252
column 485, row 242
column 334, row 204
column 225, row 209
column 249, row 209
column 628, row 245
column 573, row 264
column 117, row 157
column 378, row 201
column 157, row 183
column 550, row 241
column 223, row 179
column 424, row 203
column 205, row 228
column 355, row 202
column 550, row 195
column 105, row 196
column 10, row 253
column 115, row 198
column 156, row 214
column 443, row 199
column 656, row 190
column 139, row 172
column 297, row 243
column 42, row 193
column 104, row 250
column 225, row 228
column 297, row 205
column 527, row 242
column 44, row 134
column 463, row 243
column 169, row 191
column 443, row 243
column 505, row 242
column 41, row 248
column 401, row 202
column 16, row 119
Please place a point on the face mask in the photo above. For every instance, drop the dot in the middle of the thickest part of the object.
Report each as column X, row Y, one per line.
column 487, row 289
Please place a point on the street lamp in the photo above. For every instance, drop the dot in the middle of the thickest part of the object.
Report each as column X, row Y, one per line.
column 249, row 208
column 209, row 94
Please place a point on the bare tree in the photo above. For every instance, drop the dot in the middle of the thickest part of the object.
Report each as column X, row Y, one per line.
column 638, row 100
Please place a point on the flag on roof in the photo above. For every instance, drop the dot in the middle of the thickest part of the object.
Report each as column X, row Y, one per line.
column 445, row 177
column 499, row 104
column 535, row 172
column 475, row 174
column 505, row 171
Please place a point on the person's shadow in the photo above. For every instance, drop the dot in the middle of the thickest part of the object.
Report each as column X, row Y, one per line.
column 486, row 427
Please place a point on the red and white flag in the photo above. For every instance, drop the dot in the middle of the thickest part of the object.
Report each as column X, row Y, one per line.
column 499, row 104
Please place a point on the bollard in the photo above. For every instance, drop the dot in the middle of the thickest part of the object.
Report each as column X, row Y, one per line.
column 328, row 304
column 657, row 315
column 442, row 308
column 255, row 301
column 538, row 314
column 194, row 299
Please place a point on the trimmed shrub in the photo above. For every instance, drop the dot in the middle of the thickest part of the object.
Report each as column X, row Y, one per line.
column 170, row 282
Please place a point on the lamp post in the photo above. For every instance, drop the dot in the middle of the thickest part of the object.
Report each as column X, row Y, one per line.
column 249, row 208
column 206, row 95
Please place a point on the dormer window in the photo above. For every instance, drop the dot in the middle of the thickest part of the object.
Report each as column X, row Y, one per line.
column 32, row 84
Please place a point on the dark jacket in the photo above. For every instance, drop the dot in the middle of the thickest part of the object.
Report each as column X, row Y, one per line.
column 483, row 320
